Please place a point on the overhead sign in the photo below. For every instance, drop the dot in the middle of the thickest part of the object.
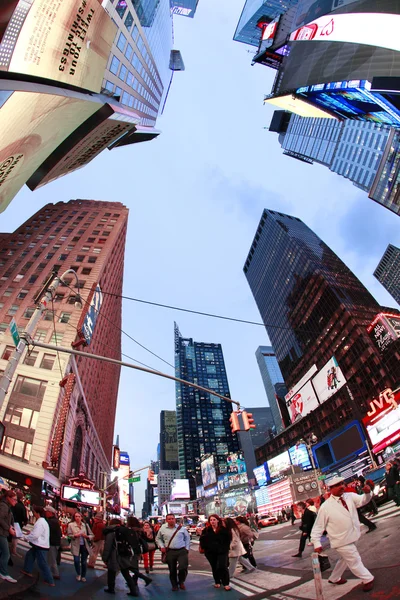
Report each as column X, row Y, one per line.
column 63, row 40
column 92, row 314
column 135, row 479
column 371, row 29
column 14, row 332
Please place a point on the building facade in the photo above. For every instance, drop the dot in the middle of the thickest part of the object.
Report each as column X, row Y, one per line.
column 388, row 271
column 165, row 479
column 314, row 308
column 168, row 441
column 202, row 419
column 271, row 376
column 186, row 8
column 60, row 410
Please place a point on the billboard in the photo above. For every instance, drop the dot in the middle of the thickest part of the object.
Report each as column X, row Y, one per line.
column 352, row 99
column 329, row 380
column 278, row 464
column 32, row 126
column 384, row 330
column 123, row 474
column 302, row 381
column 303, row 402
column 180, row 489
column 371, row 29
column 170, row 436
column 79, row 495
column 382, row 421
column 91, row 317
column 308, row 10
column 296, row 105
column 262, row 474
column 262, row 497
column 304, row 486
column 208, row 472
column 299, row 456
column 66, row 41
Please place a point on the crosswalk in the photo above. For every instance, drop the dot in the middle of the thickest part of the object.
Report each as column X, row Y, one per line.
column 386, row 511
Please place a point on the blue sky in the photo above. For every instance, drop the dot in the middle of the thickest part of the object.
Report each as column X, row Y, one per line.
column 195, row 197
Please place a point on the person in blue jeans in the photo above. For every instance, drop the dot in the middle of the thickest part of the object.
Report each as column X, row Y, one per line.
column 80, row 534
column 8, row 500
column 39, row 539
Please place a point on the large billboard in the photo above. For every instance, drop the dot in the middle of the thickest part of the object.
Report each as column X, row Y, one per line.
column 262, row 475
column 296, row 105
column 170, row 436
column 384, row 330
column 208, row 472
column 329, row 380
column 278, row 464
column 382, row 421
column 64, row 40
column 123, row 475
column 80, row 496
column 302, row 402
column 32, row 125
column 180, row 489
column 302, row 381
column 299, row 456
column 308, row 10
column 236, row 469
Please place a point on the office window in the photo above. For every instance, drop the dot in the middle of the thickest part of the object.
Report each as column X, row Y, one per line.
column 121, row 8
column 48, row 361
column 28, row 386
column 128, row 21
column 56, row 338
column 13, row 309
column 86, row 271
column 40, row 335
column 92, row 259
column 23, row 294
column 96, row 250
column 30, row 358
column 17, row 448
column 121, row 42
column 8, row 350
column 23, row 417
column 129, row 52
column 59, row 297
column 65, row 317
column 49, row 316
column 123, row 72
column 114, row 65
column 28, row 313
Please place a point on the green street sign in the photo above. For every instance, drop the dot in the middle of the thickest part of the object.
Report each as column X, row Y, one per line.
column 14, row 332
column 134, row 479
column 321, row 477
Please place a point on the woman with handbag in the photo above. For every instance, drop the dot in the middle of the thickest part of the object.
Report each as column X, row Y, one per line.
column 80, row 534
column 148, row 557
column 236, row 551
column 215, row 540
column 247, row 538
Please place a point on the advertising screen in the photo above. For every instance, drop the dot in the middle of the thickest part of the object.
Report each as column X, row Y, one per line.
column 262, row 497
column 199, row 491
column 32, row 126
column 382, row 421
column 278, row 464
column 236, row 502
column 329, row 380
column 384, row 329
column 180, row 489
column 296, row 105
column 352, row 100
column 262, row 474
column 208, row 472
column 74, row 494
column 299, row 456
column 123, row 474
column 303, row 402
column 302, row 382
column 64, row 41
column 223, row 482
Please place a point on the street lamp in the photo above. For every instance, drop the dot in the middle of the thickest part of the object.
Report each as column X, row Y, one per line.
column 309, row 442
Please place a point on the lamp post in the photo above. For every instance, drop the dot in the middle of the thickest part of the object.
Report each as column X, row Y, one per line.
column 309, row 442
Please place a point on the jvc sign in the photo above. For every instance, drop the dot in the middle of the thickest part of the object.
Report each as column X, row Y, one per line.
column 92, row 314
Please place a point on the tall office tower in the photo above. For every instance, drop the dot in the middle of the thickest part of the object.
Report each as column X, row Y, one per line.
column 202, row 419
column 168, row 441
column 250, row 440
column 59, row 412
column 164, row 482
column 316, row 314
column 271, row 376
column 186, row 8
column 254, row 11
column 388, row 271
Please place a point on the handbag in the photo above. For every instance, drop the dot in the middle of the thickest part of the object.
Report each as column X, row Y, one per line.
column 164, row 554
column 151, row 546
column 324, row 563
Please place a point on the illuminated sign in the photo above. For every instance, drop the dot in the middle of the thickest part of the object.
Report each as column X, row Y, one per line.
column 308, row 10
column 123, row 483
column 382, row 421
column 302, row 402
column 91, row 317
column 384, row 330
column 80, row 496
column 278, row 464
column 262, row 474
column 116, row 458
column 302, row 381
column 296, row 105
column 208, row 472
column 371, row 29
column 180, row 489
column 299, row 456
column 329, row 380
column 269, row 31
column 66, row 41
column 352, row 100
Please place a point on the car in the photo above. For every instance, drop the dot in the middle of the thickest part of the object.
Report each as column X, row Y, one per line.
column 267, row 521
column 191, row 529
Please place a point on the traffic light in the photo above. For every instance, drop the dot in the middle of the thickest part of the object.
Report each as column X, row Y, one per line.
column 248, row 421
column 150, row 475
column 234, row 421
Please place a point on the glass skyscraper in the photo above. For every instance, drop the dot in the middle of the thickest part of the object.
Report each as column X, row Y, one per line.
column 271, row 375
column 253, row 10
column 202, row 419
column 388, row 271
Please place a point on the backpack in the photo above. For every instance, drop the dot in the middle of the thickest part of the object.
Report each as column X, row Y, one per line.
column 127, row 542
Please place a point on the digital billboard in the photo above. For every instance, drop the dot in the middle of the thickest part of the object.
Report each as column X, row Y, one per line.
column 382, row 421
column 384, row 330
column 278, row 464
column 262, row 474
column 123, row 474
column 75, row 494
column 296, row 105
column 308, row 10
column 302, row 402
column 262, row 497
column 180, row 489
column 352, row 100
column 208, row 472
column 329, row 380
column 299, row 456
column 66, row 41
column 302, row 381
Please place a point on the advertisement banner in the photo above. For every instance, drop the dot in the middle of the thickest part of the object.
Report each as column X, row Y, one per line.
column 32, row 125
column 299, row 456
column 236, row 469
column 91, row 317
column 171, row 439
column 262, row 474
column 308, row 10
column 75, row 494
column 63, row 40
column 302, row 403
column 208, row 472
column 329, row 380
column 382, row 421
column 371, row 29
column 278, row 464
column 302, row 381
column 123, row 475
column 304, row 486
column 384, row 330
column 180, row 489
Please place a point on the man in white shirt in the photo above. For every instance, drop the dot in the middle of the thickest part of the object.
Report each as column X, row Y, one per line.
column 176, row 546
column 338, row 516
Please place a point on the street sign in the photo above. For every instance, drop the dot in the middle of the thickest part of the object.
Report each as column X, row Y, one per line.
column 14, row 332
column 322, row 477
column 134, row 479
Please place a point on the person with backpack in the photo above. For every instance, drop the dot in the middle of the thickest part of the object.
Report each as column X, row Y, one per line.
column 134, row 525
column 121, row 553
column 98, row 540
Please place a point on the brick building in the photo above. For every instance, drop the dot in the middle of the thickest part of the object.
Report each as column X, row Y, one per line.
column 59, row 412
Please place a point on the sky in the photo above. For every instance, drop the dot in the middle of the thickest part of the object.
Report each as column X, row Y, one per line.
column 196, row 195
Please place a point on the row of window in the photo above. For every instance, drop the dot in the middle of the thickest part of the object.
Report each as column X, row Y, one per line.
column 17, row 448
column 132, row 57
column 131, row 101
column 124, row 74
column 47, row 361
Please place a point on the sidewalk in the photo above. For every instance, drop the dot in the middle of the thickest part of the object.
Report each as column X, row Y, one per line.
column 16, row 590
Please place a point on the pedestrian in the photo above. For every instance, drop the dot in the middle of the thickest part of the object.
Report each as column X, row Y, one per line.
column 98, row 539
column 50, row 514
column 215, row 541
column 135, row 527
column 292, row 514
column 39, row 539
column 392, row 482
column 338, row 516
column 236, row 549
column 360, row 483
column 247, row 538
column 148, row 557
column 8, row 500
column 20, row 517
column 120, row 553
column 80, row 534
column 283, row 512
column 307, row 521
column 174, row 543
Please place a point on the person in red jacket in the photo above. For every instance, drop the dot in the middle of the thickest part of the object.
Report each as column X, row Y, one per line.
column 98, row 541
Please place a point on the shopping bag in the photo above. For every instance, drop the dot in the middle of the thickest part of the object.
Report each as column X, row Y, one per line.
column 324, row 563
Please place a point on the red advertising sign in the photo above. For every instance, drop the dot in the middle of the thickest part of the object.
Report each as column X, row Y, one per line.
column 382, row 421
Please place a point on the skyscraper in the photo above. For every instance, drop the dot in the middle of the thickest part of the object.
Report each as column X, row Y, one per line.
column 255, row 10
column 315, row 308
column 271, row 375
column 186, row 8
column 168, row 441
column 250, row 440
column 388, row 271
column 60, row 410
column 202, row 419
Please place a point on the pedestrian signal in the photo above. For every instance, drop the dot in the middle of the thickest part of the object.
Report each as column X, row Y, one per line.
column 248, row 421
column 234, row 421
